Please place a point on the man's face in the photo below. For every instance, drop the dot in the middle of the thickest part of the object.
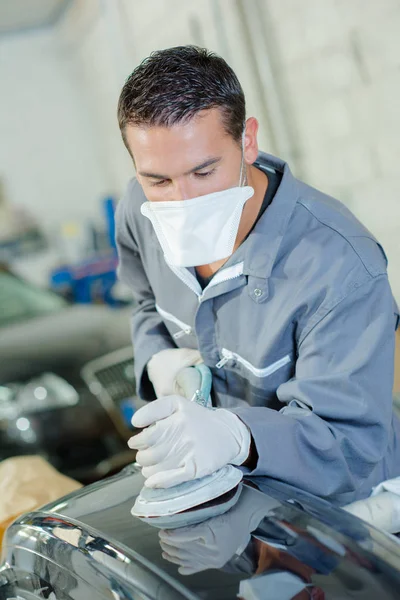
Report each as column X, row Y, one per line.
column 186, row 160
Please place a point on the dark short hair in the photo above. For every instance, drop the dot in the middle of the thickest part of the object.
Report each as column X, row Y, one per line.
column 170, row 86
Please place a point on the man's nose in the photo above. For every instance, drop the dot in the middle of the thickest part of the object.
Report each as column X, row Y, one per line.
column 183, row 190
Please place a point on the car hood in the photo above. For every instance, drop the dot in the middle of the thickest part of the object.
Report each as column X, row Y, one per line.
column 334, row 554
column 70, row 337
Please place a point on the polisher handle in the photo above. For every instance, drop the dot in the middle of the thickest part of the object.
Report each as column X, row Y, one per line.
column 195, row 384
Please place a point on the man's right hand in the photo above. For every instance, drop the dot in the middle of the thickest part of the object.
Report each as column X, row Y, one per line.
column 164, row 366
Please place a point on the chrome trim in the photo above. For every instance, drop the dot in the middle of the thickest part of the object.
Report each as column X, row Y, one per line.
column 74, row 561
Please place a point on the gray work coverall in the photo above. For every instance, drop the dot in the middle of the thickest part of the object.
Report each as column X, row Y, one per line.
column 297, row 327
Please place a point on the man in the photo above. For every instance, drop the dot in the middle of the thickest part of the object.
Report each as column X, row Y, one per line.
column 273, row 285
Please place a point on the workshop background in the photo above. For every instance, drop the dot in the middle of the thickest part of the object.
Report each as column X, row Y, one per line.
column 322, row 77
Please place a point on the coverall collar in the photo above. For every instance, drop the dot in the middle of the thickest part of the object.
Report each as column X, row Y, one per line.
column 262, row 245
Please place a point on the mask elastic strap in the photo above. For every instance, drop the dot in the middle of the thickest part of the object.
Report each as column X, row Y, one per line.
column 242, row 176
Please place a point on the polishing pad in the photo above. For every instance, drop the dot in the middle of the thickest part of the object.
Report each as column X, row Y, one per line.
column 172, row 504
column 197, row 515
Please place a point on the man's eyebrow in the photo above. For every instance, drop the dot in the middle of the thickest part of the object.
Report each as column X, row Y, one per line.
column 207, row 163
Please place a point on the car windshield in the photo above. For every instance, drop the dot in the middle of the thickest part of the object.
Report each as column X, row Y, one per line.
column 20, row 300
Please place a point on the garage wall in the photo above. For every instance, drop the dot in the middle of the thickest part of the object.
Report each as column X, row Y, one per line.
column 340, row 62
column 92, row 39
column 47, row 157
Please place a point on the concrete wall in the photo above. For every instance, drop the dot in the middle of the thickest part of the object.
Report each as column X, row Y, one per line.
column 47, row 158
column 340, row 60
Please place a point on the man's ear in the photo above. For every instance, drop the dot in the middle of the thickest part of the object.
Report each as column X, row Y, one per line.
column 250, row 141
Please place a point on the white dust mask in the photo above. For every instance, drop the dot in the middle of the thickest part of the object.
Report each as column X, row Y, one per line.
column 201, row 230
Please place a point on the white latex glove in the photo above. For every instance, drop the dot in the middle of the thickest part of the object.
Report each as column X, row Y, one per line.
column 164, row 366
column 186, row 441
column 210, row 545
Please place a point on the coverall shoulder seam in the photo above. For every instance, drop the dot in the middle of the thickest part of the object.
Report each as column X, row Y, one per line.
column 356, row 287
column 344, row 237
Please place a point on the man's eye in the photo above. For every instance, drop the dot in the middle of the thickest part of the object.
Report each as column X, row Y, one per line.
column 160, row 182
column 205, row 174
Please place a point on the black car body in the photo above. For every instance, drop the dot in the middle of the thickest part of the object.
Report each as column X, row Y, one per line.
column 42, row 333
column 88, row 545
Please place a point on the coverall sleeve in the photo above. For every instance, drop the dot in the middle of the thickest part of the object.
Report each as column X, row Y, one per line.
column 336, row 424
column 149, row 334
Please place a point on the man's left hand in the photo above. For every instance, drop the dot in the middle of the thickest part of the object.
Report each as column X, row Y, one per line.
column 184, row 441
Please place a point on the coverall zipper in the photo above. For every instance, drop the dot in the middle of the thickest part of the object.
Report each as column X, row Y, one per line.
column 227, row 355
